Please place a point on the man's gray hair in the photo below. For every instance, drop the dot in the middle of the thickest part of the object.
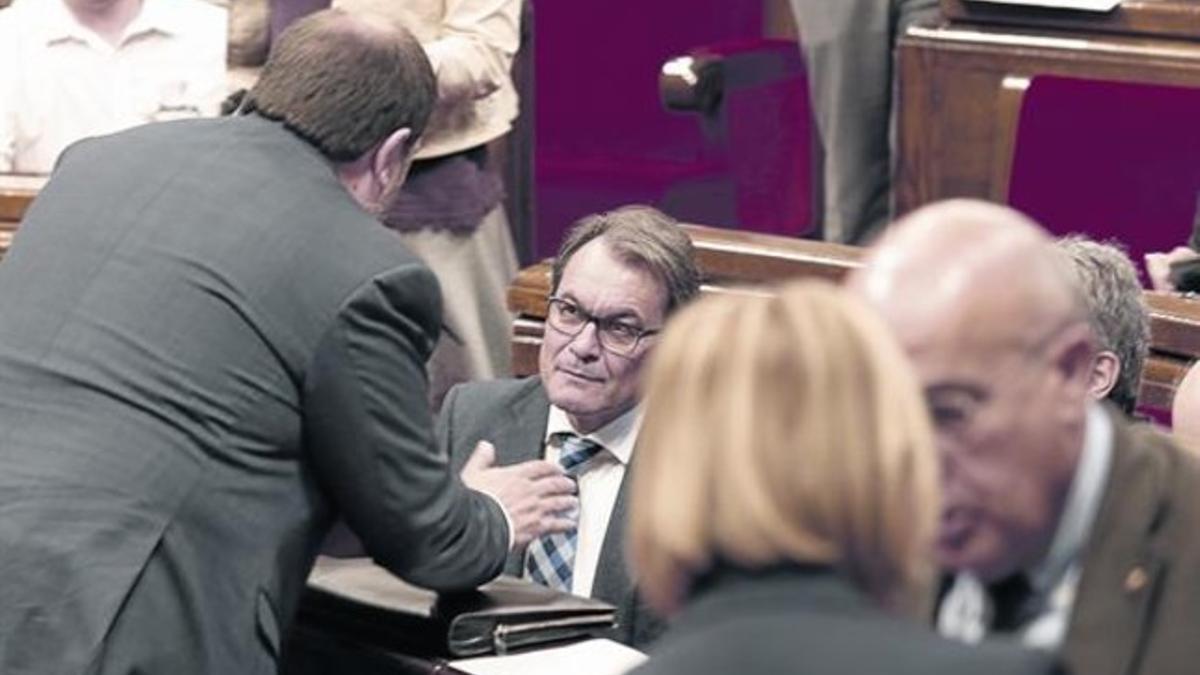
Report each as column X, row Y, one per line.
column 643, row 236
column 1117, row 312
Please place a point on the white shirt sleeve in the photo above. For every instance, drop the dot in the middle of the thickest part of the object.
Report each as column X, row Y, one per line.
column 205, row 82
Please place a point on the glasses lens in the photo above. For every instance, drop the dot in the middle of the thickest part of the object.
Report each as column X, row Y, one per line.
column 565, row 316
column 618, row 338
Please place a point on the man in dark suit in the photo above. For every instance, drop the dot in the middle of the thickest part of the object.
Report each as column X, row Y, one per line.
column 208, row 349
column 616, row 279
column 1062, row 525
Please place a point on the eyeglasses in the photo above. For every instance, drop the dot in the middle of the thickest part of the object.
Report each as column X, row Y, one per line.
column 615, row 335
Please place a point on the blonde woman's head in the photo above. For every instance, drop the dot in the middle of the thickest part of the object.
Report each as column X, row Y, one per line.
column 783, row 429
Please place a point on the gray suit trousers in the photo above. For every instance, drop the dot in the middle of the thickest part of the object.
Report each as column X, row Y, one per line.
column 848, row 47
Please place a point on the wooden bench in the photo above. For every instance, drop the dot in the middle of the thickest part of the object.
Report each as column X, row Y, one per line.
column 735, row 259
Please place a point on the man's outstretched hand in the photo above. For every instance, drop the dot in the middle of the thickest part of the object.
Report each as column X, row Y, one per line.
column 536, row 495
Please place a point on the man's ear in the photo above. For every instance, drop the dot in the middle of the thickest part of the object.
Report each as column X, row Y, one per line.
column 1106, row 368
column 390, row 163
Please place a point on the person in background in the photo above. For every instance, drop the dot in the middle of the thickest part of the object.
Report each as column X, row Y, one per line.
column 1158, row 267
column 79, row 68
column 617, row 278
column 1063, row 526
column 450, row 212
column 209, row 349
column 785, row 496
column 1120, row 322
column 848, row 48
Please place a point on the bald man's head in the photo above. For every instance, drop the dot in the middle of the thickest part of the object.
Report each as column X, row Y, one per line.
column 967, row 265
column 994, row 324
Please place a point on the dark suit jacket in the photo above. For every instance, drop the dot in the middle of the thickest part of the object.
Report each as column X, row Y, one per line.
column 808, row 620
column 1138, row 603
column 512, row 415
column 206, row 351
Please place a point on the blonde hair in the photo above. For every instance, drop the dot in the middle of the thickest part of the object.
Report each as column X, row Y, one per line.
column 783, row 429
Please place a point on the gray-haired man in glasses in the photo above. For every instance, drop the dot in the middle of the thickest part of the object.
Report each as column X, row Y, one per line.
column 616, row 279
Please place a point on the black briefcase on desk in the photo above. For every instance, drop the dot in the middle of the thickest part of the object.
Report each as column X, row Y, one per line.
column 357, row 617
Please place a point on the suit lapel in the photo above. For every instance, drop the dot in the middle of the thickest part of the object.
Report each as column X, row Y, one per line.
column 1123, row 569
column 612, row 577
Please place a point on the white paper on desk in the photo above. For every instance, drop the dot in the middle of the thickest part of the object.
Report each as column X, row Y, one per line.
column 1084, row 5
column 592, row 657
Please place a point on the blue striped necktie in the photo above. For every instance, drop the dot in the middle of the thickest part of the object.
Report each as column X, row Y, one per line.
column 550, row 560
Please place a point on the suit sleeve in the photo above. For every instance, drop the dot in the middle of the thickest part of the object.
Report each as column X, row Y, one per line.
column 368, row 430
column 445, row 430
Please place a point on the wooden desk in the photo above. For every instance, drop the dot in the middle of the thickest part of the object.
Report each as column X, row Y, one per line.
column 1155, row 18
column 734, row 261
column 961, row 82
column 960, row 95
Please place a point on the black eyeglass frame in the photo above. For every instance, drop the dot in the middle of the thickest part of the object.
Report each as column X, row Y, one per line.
column 603, row 324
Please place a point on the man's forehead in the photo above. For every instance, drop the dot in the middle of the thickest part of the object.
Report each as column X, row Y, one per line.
column 597, row 273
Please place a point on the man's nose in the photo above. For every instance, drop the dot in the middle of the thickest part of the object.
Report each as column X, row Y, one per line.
column 586, row 343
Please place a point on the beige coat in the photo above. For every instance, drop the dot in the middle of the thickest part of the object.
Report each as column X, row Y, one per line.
column 471, row 44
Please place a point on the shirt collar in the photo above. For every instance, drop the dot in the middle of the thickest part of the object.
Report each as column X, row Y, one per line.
column 157, row 16
column 56, row 23
column 1083, row 501
column 618, row 436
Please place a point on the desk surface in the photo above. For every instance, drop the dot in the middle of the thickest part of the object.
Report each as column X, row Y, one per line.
column 1176, row 19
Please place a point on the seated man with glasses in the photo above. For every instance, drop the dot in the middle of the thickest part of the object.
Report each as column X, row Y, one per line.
column 616, row 279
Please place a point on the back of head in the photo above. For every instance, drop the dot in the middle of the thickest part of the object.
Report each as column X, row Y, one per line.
column 1109, row 285
column 344, row 83
column 786, row 429
column 644, row 236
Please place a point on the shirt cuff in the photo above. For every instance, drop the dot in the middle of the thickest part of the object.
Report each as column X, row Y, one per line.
column 508, row 523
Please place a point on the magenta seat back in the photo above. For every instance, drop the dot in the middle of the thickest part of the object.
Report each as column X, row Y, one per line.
column 603, row 138
column 1109, row 159
column 771, row 138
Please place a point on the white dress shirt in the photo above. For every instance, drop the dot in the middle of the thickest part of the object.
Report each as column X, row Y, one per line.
column 965, row 613
column 61, row 82
column 598, row 486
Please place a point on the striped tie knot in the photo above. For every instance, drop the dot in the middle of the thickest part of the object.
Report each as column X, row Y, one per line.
column 576, row 451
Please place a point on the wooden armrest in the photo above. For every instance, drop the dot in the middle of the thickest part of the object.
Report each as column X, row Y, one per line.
column 696, row 81
column 17, row 193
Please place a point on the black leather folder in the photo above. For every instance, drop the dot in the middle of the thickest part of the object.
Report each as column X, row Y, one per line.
column 357, row 599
